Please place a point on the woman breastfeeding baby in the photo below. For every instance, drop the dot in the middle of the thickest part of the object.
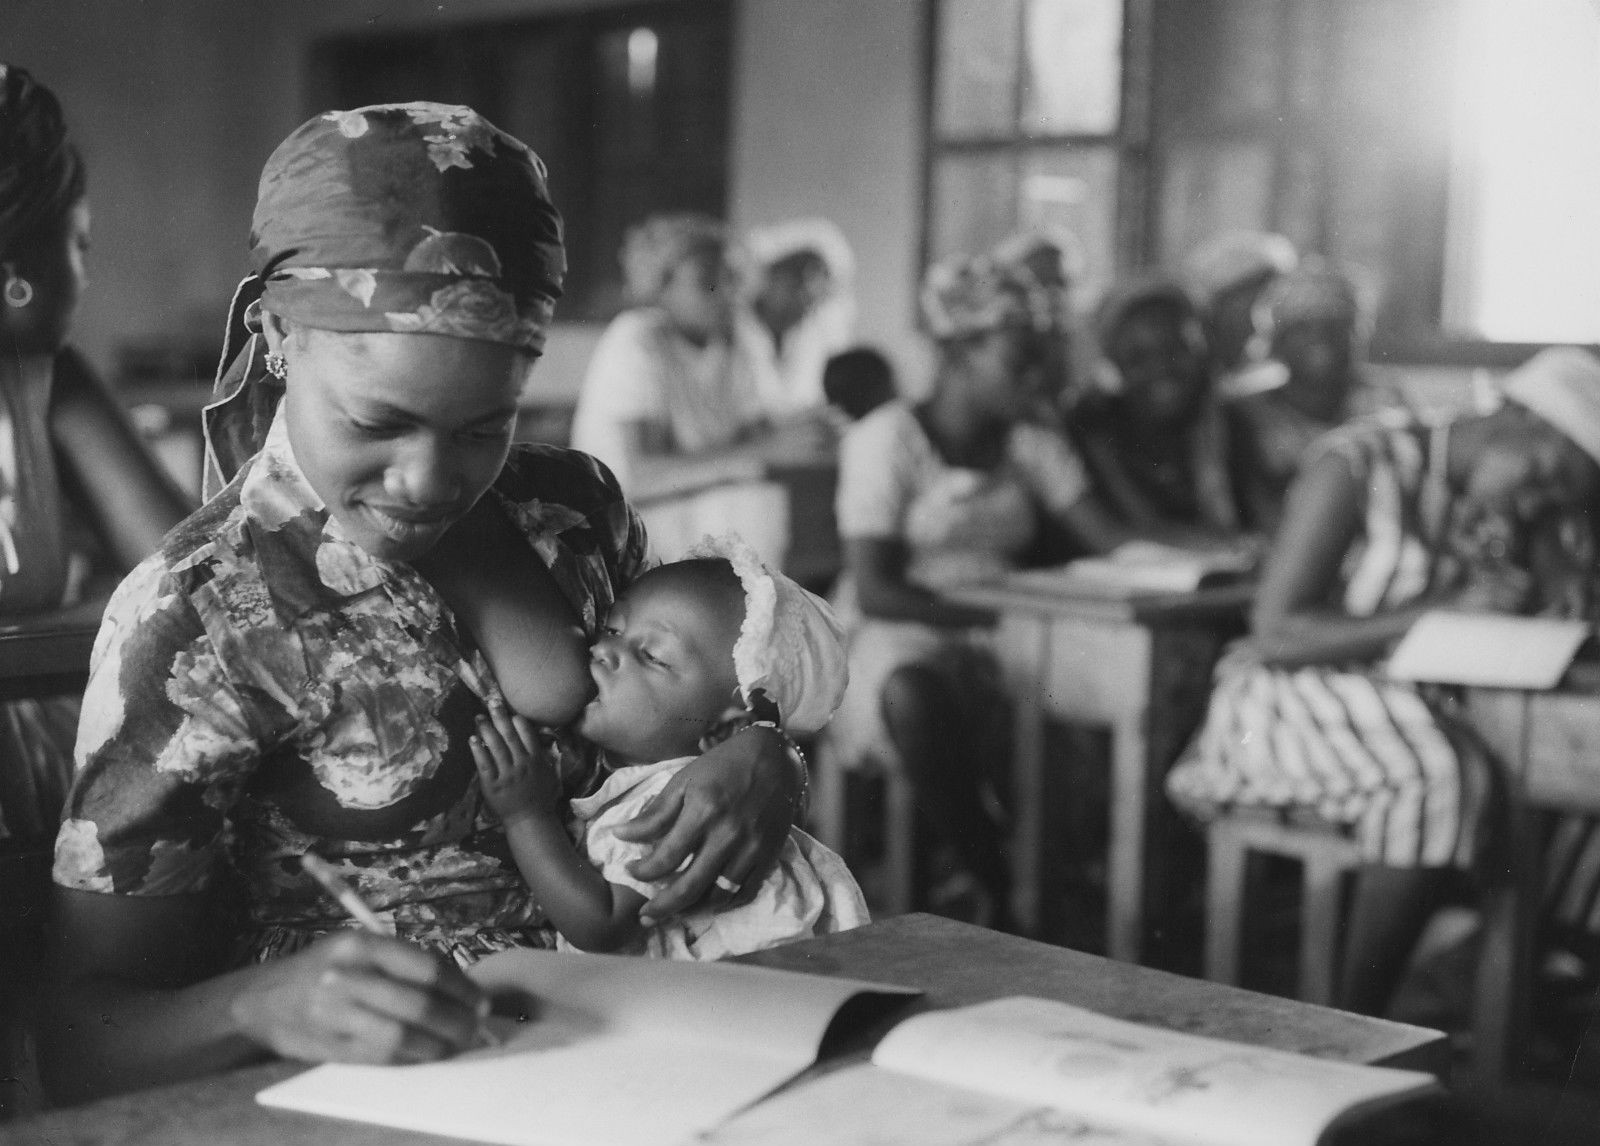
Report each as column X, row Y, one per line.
column 686, row 649
column 300, row 668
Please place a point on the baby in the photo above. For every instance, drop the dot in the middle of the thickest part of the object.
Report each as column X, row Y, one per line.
column 687, row 647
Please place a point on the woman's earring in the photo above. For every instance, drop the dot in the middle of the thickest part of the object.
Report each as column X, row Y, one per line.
column 277, row 366
column 18, row 290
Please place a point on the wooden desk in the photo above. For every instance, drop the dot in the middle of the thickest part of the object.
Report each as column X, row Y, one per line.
column 955, row 963
column 1141, row 666
column 1549, row 745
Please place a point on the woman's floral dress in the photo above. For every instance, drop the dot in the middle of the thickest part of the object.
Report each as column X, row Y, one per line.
column 264, row 687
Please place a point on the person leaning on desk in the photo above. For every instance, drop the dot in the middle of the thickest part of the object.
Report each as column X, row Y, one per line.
column 1389, row 518
column 81, row 499
column 950, row 490
column 300, row 667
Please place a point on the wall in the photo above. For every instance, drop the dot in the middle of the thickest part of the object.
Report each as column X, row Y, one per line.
column 177, row 103
column 829, row 121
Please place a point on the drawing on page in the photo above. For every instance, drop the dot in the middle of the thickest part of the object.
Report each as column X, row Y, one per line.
column 1043, row 1126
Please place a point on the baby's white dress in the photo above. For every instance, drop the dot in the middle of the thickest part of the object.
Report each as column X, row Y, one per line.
column 809, row 891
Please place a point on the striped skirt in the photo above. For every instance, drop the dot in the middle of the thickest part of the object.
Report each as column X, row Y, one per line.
column 1348, row 747
column 1388, row 762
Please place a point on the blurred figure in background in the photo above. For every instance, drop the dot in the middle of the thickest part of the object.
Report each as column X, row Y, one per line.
column 857, row 381
column 1226, row 276
column 81, row 502
column 1047, row 264
column 950, row 490
column 799, row 310
column 1389, row 518
column 1310, row 323
column 1152, row 432
column 81, row 499
column 672, row 403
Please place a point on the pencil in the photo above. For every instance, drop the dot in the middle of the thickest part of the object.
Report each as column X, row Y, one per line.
column 329, row 879
column 333, row 883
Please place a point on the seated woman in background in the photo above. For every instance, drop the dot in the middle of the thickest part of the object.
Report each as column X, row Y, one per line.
column 1310, row 380
column 1226, row 277
column 671, row 400
column 1390, row 518
column 798, row 312
column 1153, row 436
column 81, row 499
column 949, row 490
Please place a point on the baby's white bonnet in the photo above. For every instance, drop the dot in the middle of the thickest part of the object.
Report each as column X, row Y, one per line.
column 790, row 646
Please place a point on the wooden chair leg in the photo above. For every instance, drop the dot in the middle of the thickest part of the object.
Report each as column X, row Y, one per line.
column 1228, row 859
column 1502, row 990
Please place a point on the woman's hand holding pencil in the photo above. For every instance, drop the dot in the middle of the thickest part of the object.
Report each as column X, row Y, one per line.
column 362, row 995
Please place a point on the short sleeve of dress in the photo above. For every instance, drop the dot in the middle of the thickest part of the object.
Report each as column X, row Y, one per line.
column 1051, row 467
column 876, row 459
column 164, row 743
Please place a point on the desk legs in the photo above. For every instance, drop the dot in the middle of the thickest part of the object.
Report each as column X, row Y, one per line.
column 1506, row 961
column 1149, row 686
column 1024, row 648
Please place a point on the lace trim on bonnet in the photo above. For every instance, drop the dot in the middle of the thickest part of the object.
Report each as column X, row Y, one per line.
column 790, row 645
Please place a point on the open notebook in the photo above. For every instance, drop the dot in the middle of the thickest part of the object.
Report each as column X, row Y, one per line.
column 1137, row 569
column 1033, row 1071
column 600, row 1050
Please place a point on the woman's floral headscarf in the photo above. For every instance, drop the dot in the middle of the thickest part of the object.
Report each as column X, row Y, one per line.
column 654, row 247
column 41, row 174
column 414, row 218
column 966, row 297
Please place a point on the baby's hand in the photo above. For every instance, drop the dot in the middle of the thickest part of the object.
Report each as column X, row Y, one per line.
column 518, row 777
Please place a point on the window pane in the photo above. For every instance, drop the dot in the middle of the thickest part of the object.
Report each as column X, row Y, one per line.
column 1075, row 189
column 1524, row 232
column 1219, row 63
column 1074, row 67
column 976, row 67
column 974, row 203
column 1208, row 187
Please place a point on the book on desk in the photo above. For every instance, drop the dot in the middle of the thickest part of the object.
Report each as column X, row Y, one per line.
column 1139, row 569
column 623, row 1050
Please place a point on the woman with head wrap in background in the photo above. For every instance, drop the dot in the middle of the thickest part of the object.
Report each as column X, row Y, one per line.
column 1152, row 432
column 302, row 665
column 1226, row 276
column 81, row 499
column 950, row 490
column 1309, row 379
column 1391, row 517
column 798, row 311
column 672, row 401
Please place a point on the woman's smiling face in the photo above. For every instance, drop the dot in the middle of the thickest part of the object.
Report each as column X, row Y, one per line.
column 399, row 434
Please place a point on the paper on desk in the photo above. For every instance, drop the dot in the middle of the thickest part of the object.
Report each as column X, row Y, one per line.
column 1490, row 650
column 619, row 1052
column 1138, row 568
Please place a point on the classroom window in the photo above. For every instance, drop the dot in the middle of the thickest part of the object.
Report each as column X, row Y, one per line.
column 628, row 105
column 1447, row 152
column 1524, row 224
column 1029, row 127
